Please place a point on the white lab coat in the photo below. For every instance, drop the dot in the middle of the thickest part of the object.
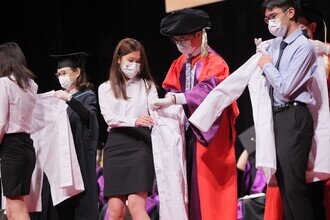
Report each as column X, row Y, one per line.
column 55, row 151
column 249, row 74
column 168, row 146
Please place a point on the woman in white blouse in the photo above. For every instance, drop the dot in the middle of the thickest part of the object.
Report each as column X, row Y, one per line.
column 17, row 101
column 124, row 100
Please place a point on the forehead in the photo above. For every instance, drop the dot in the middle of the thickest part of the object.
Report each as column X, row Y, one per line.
column 183, row 36
column 273, row 11
column 302, row 20
column 64, row 69
column 133, row 55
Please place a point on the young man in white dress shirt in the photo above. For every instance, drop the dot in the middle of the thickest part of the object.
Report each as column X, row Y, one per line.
column 288, row 66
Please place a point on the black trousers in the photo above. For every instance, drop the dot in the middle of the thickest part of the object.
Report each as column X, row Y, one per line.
column 316, row 192
column 294, row 131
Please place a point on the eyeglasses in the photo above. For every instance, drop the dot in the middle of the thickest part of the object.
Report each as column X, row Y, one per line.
column 182, row 39
column 64, row 71
column 274, row 16
column 61, row 73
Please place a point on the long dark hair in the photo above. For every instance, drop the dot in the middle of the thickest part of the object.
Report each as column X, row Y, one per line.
column 124, row 47
column 13, row 62
column 82, row 82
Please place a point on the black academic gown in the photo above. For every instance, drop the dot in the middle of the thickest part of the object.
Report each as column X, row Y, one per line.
column 82, row 113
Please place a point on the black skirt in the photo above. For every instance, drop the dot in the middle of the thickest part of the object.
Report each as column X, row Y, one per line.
column 128, row 163
column 18, row 160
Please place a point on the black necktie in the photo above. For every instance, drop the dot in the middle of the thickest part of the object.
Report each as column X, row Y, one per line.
column 282, row 47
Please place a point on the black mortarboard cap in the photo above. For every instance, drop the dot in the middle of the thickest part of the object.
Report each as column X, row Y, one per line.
column 248, row 139
column 184, row 22
column 72, row 60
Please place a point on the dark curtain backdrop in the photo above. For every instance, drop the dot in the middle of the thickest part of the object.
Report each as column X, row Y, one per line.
column 49, row 27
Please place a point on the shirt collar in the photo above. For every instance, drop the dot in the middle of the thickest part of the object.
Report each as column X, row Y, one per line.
column 132, row 80
column 293, row 36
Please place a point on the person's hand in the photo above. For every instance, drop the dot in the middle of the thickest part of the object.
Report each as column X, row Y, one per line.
column 164, row 102
column 257, row 42
column 98, row 156
column 265, row 58
column 261, row 46
column 144, row 120
column 320, row 47
column 61, row 94
column 242, row 160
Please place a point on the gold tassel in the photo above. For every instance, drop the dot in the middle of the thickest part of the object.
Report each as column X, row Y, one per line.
column 204, row 47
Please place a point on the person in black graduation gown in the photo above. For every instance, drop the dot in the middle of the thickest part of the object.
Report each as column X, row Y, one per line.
column 82, row 112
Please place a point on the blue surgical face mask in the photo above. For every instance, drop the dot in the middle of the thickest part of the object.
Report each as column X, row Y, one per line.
column 305, row 33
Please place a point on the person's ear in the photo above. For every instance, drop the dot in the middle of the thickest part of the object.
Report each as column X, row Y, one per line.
column 199, row 33
column 312, row 27
column 291, row 13
column 77, row 72
column 198, row 36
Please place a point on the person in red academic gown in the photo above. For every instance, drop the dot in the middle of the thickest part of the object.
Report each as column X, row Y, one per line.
column 211, row 165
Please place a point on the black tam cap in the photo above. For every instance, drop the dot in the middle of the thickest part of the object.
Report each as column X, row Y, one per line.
column 248, row 139
column 72, row 60
column 184, row 22
column 311, row 13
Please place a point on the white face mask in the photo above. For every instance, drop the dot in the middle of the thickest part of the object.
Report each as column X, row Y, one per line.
column 185, row 47
column 276, row 28
column 130, row 69
column 65, row 81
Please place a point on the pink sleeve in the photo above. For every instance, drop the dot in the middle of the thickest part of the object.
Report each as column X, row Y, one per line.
column 4, row 106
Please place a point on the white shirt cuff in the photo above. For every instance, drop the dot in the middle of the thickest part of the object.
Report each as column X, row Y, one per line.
column 180, row 99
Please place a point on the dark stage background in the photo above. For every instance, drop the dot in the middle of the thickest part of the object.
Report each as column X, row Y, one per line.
column 63, row 26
